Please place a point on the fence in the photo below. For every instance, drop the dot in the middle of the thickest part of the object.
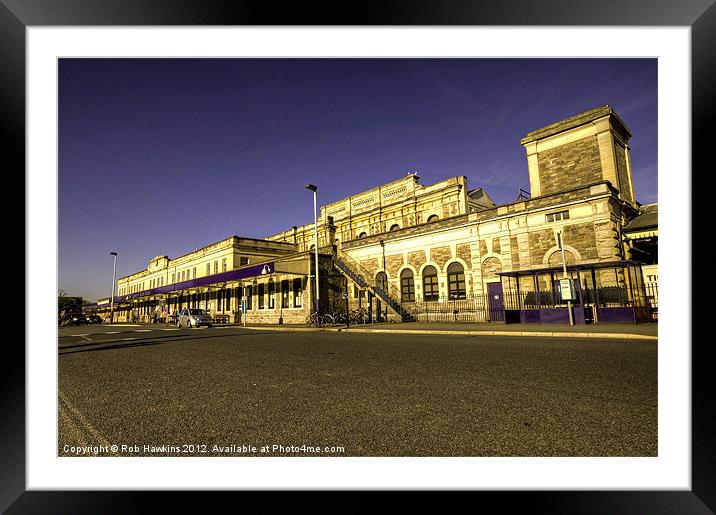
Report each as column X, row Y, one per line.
column 604, row 297
column 470, row 309
column 652, row 299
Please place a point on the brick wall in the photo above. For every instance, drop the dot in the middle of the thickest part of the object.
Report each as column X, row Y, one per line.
column 573, row 164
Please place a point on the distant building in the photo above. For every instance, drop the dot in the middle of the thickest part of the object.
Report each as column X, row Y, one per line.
column 409, row 251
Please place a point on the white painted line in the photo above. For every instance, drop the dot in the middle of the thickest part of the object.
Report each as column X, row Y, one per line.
column 128, row 339
column 112, row 332
column 142, row 330
column 85, row 338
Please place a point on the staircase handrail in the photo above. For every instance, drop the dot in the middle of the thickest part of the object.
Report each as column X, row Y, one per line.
column 392, row 296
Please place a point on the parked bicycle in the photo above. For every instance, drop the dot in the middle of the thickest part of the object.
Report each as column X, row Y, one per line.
column 359, row 316
column 315, row 319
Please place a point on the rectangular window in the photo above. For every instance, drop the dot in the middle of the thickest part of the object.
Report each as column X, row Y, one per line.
column 262, row 287
column 430, row 287
column 194, row 273
column 556, row 217
column 271, row 295
column 243, row 261
column 297, row 293
column 208, row 269
column 284, row 294
column 223, row 265
column 407, row 288
column 227, row 301
column 216, row 267
column 174, row 278
column 249, row 297
column 456, row 285
column 220, row 300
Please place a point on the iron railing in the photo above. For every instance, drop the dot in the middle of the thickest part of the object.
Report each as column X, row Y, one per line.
column 473, row 308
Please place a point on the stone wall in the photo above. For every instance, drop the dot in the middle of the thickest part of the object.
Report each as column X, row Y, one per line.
column 540, row 242
column 496, row 247
column 462, row 251
column 440, row 256
column 371, row 266
column 577, row 164
column 416, row 259
column 622, row 172
column 515, row 253
column 607, row 241
column 483, row 247
column 490, row 268
column 582, row 237
column 393, row 264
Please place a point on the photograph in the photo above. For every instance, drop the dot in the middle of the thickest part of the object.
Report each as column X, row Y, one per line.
column 357, row 257
column 415, row 252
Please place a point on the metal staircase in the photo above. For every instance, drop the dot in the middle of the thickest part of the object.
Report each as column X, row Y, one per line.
column 390, row 295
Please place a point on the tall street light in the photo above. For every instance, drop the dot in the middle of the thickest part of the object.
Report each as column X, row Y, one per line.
column 111, row 298
column 314, row 189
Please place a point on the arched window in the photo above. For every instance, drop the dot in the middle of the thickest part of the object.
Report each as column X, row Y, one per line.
column 362, row 235
column 430, row 283
column 394, row 227
column 381, row 281
column 407, row 285
column 433, row 218
column 456, row 281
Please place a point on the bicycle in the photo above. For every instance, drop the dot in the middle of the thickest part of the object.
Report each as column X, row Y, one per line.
column 314, row 318
column 359, row 316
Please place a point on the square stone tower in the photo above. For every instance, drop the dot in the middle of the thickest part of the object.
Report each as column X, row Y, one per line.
column 581, row 150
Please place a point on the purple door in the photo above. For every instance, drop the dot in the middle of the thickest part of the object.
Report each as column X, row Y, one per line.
column 497, row 307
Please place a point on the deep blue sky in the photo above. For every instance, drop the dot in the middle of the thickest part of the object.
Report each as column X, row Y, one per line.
column 162, row 156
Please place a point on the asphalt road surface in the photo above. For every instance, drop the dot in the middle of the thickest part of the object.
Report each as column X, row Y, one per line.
column 231, row 391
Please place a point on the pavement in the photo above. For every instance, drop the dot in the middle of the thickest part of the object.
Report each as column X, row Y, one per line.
column 600, row 331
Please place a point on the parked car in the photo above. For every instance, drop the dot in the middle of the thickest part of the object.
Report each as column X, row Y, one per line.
column 73, row 319
column 94, row 319
column 194, row 318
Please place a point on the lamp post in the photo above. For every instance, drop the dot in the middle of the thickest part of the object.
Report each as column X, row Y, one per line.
column 314, row 189
column 111, row 297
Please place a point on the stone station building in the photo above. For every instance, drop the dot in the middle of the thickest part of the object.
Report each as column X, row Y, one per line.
column 406, row 251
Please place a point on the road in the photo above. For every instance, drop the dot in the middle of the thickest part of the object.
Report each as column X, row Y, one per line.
column 231, row 391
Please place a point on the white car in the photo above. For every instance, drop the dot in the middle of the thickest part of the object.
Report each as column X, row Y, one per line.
column 194, row 318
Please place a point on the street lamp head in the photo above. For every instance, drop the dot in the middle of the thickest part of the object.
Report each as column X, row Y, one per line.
column 113, row 253
column 311, row 187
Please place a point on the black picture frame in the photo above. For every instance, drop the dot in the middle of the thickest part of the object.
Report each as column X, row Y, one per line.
column 17, row 15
